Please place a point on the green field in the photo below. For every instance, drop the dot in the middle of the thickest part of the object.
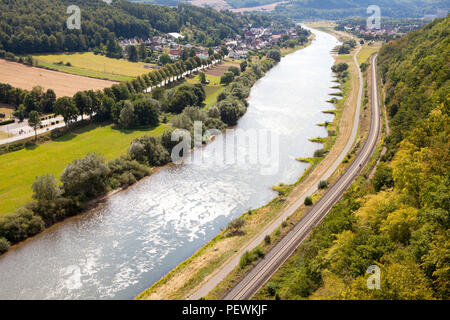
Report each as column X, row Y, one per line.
column 23, row 166
column 90, row 65
column 367, row 51
column 20, row 168
column 212, row 89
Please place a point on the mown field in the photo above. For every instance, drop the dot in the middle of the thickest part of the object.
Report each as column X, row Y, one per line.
column 20, row 168
column 90, row 65
column 52, row 157
column 367, row 51
column 64, row 84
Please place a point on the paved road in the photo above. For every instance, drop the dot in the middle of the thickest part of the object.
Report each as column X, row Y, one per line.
column 263, row 271
column 220, row 274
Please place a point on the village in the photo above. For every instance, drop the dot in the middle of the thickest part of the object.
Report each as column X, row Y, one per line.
column 252, row 39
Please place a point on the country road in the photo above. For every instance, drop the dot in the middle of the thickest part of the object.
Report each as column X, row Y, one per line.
column 263, row 271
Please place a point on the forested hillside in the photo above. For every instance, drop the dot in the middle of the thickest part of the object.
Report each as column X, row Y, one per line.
column 29, row 26
column 338, row 9
column 399, row 219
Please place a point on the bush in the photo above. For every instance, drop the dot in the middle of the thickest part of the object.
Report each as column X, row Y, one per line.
column 4, row 245
column 319, row 153
column 267, row 239
column 149, row 150
column 86, row 177
column 235, row 226
column 20, row 225
column 308, row 201
column 272, row 288
column 323, row 184
column 249, row 257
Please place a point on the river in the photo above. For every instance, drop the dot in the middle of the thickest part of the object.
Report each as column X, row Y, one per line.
column 135, row 237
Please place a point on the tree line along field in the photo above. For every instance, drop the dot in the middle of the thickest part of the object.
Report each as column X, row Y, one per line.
column 25, row 165
column 52, row 157
column 90, row 65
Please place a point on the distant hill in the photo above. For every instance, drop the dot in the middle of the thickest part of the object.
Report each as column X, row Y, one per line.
column 338, row 9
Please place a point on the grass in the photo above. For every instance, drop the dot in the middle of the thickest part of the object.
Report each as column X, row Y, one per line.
column 367, row 51
column 90, row 65
column 20, row 168
column 212, row 90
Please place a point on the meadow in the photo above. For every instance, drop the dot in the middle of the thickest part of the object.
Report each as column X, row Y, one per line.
column 52, row 157
column 90, row 65
column 367, row 51
column 20, row 168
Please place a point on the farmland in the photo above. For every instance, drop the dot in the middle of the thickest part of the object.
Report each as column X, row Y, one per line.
column 25, row 77
column 90, row 65
column 23, row 166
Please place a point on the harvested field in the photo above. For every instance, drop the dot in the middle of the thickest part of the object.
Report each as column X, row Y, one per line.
column 216, row 4
column 220, row 69
column 266, row 8
column 25, row 77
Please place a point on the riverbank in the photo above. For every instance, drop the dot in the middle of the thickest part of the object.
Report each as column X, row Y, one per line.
column 182, row 282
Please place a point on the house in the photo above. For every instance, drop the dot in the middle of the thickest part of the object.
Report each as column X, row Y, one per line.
column 175, row 35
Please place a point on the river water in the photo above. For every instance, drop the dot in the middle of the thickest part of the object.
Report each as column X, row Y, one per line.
column 127, row 243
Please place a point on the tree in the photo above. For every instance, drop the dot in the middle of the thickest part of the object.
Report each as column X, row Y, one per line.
column 132, row 53
column 164, row 59
column 146, row 112
column 66, row 108
column 86, row 177
column 274, row 54
column 20, row 112
column 383, row 177
column 45, row 188
column 230, row 112
column 127, row 118
column 48, row 101
column 83, row 102
column 202, row 77
column 142, row 52
column 149, row 150
column 34, row 121
column 227, row 78
column 235, row 70
column 243, row 66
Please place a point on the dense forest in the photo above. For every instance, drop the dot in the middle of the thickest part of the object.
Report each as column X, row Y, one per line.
column 399, row 219
column 28, row 26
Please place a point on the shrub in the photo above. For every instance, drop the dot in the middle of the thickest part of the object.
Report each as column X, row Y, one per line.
column 4, row 245
column 267, row 239
column 272, row 288
column 235, row 226
column 308, row 201
column 319, row 153
column 323, row 184
column 85, row 177
column 250, row 256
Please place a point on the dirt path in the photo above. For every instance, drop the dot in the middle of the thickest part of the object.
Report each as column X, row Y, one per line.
column 64, row 84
